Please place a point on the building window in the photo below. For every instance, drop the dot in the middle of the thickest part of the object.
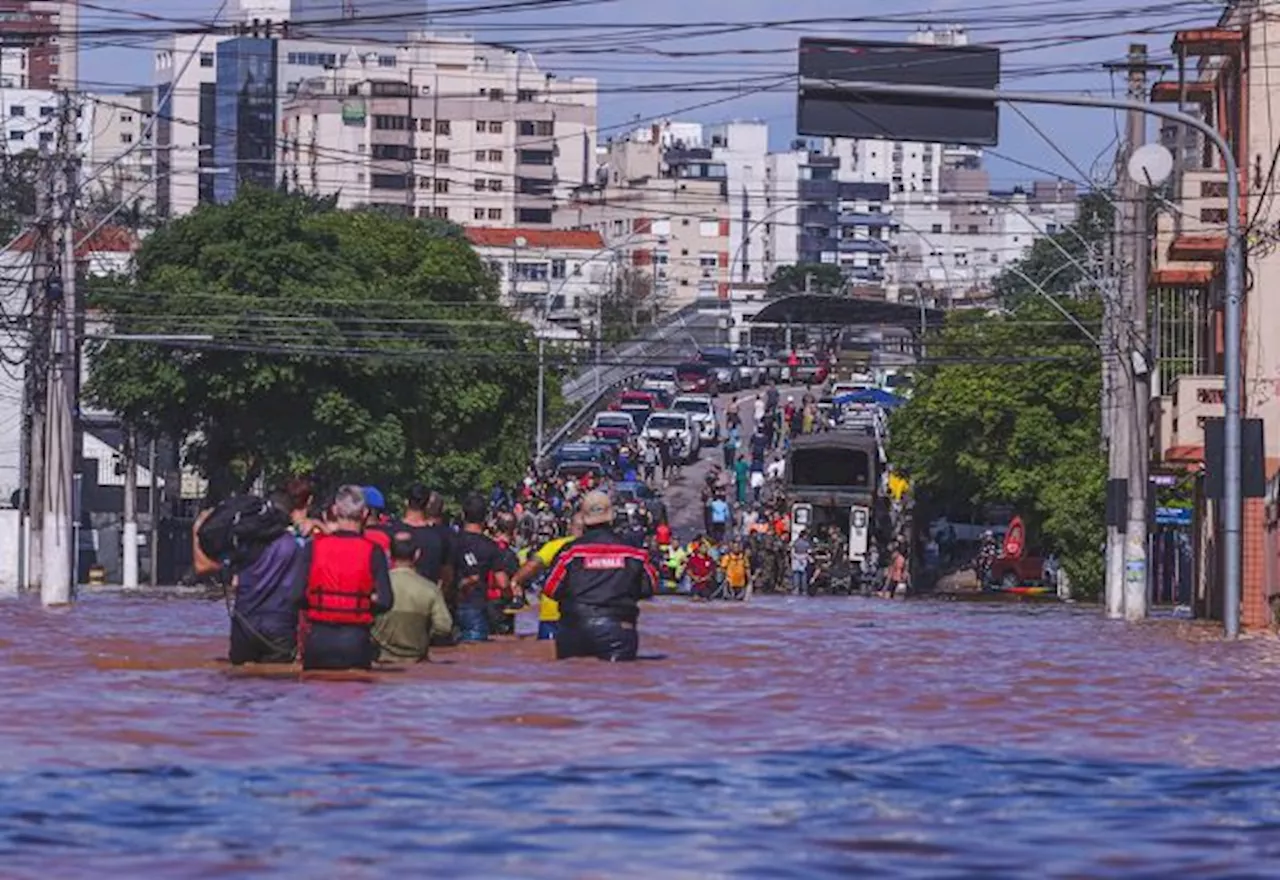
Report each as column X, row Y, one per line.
column 17, row 110
column 495, row 94
column 477, row 214
column 46, row 137
column 46, row 112
column 524, row 96
column 495, row 128
column 495, row 155
column 480, row 184
column 531, row 271
column 495, row 184
column 535, row 157
column 16, row 135
column 481, row 155
column 383, row 122
column 540, row 216
column 386, row 61
column 442, row 185
column 442, row 126
column 936, row 228
column 391, row 89
column 481, row 126
column 440, row 213
column 557, row 268
column 126, row 138
column 206, row 59
column 424, row 125
column 544, row 127
column 424, row 183
column 389, row 181
column 442, row 157
column 495, row 213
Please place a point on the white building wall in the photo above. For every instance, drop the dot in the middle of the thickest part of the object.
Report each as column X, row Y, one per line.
column 782, row 210
column 120, row 160
column 14, row 67
column 30, row 118
column 182, row 64
column 743, row 147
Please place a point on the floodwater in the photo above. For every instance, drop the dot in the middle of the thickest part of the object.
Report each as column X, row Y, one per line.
column 786, row 738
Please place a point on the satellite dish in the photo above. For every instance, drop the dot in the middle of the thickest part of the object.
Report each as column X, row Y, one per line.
column 1150, row 165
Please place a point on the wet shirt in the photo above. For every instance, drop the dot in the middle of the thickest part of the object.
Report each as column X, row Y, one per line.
column 719, row 511
column 735, row 569
column 418, row 613
column 548, row 608
column 264, row 587
column 474, row 557
column 434, row 548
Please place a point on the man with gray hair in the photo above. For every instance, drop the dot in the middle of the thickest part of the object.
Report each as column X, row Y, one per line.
column 343, row 583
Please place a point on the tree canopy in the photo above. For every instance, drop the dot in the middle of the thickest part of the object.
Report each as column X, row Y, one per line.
column 823, row 278
column 1007, row 410
column 351, row 345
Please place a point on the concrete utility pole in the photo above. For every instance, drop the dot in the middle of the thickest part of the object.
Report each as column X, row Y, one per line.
column 129, row 533
column 57, row 549
column 1135, row 353
column 37, row 376
column 153, row 496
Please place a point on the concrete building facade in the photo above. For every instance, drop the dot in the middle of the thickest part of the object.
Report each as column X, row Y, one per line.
column 29, row 30
column 550, row 276
column 453, row 129
column 121, row 161
column 664, row 209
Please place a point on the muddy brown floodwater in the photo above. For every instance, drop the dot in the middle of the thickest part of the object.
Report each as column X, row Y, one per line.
column 786, row 738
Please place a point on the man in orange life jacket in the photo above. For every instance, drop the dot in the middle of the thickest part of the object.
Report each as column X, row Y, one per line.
column 598, row 581
column 343, row 583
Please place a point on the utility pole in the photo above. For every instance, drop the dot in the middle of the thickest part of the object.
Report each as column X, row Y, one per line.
column 58, row 576
column 129, row 534
column 153, row 495
column 1129, row 456
column 1135, row 586
column 37, row 377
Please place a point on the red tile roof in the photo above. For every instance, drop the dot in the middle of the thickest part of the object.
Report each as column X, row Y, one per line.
column 583, row 239
column 108, row 239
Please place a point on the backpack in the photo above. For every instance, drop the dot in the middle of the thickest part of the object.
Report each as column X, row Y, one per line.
column 240, row 528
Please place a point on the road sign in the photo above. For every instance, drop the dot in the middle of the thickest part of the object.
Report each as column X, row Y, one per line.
column 831, row 107
column 1173, row 516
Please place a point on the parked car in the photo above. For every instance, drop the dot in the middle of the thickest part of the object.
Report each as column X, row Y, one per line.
column 703, row 412
column 679, row 427
column 664, row 379
column 811, row 370
column 1008, row 573
column 574, row 470
column 696, row 377
column 721, row 360
column 639, row 403
column 613, row 426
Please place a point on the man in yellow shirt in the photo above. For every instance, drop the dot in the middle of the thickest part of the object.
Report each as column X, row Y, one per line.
column 548, row 608
column 737, row 571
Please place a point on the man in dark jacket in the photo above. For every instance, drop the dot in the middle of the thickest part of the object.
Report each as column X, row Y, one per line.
column 343, row 582
column 598, row 581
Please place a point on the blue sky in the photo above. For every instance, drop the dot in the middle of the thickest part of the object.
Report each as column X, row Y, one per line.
column 668, row 57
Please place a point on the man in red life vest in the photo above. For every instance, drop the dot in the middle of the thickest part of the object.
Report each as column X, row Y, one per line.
column 343, row 583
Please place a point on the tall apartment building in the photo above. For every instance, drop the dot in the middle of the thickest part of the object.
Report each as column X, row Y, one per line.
column 29, row 54
column 743, row 147
column 819, row 211
column 120, row 159
column 663, row 207
column 453, row 129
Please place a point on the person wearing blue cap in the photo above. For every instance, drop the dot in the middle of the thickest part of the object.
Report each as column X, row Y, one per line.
column 376, row 525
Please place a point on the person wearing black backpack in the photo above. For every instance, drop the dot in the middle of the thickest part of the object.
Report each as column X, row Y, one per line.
column 250, row 539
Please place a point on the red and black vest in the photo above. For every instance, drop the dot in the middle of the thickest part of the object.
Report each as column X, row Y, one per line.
column 340, row 583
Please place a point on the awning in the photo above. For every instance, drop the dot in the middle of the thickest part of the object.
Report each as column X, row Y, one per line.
column 813, row 310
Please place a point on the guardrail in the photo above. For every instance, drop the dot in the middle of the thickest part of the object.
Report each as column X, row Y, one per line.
column 583, row 416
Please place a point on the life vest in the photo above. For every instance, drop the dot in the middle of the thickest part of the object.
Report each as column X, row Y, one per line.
column 663, row 535
column 340, row 583
column 492, row 593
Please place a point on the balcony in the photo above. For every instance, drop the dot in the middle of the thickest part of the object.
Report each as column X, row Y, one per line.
column 1168, row 272
column 878, row 221
column 819, row 190
column 1200, row 226
column 823, row 217
column 864, row 246
column 1207, row 42
column 866, row 192
column 1171, row 92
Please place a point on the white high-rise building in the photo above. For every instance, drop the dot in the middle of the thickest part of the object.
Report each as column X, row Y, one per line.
column 743, row 147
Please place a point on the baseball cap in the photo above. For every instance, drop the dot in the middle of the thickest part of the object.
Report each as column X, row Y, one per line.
column 596, row 509
column 373, row 498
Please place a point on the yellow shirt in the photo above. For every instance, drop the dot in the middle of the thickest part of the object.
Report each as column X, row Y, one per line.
column 898, row 486
column 548, row 608
column 735, row 569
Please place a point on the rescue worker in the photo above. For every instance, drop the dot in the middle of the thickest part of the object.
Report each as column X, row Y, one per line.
column 598, row 582
column 343, row 582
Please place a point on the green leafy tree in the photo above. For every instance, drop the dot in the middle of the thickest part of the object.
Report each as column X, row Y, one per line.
column 823, row 278
column 352, row 345
column 1010, row 416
